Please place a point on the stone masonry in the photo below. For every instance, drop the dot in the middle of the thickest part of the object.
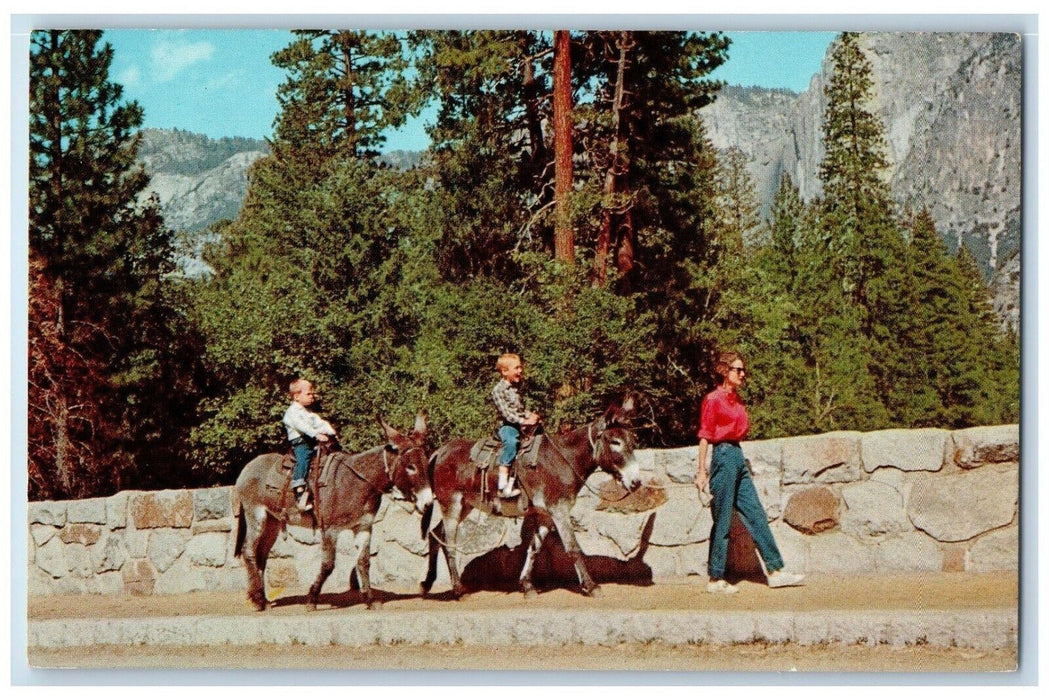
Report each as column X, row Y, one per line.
column 844, row 502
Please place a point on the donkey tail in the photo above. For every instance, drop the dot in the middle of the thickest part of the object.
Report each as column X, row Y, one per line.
column 424, row 526
column 241, row 532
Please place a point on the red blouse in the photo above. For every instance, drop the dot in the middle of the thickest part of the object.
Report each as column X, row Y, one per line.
column 722, row 416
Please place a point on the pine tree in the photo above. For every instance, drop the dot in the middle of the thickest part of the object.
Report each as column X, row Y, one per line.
column 990, row 391
column 862, row 240
column 861, row 233
column 101, row 322
column 344, row 89
column 738, row 202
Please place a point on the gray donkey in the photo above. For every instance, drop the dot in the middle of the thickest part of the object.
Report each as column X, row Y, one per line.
column 349, row 490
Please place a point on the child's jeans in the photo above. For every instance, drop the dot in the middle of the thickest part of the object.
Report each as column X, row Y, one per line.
column 511, row 436
column 303, row 451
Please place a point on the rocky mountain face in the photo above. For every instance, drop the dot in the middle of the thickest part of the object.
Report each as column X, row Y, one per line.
column 198, row 180
column 951, row 106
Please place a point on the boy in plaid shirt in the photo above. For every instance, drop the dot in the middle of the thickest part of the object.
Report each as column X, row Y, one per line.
column 512, row 415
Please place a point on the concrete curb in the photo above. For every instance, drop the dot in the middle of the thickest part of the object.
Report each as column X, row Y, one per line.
column 976, row 628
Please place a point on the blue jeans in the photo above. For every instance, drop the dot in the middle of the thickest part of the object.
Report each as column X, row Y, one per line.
column 303, row 452
column 731, row 488
column 511, row 437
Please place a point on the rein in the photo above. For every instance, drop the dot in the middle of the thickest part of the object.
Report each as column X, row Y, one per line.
column 457, row 548
column 387, row 469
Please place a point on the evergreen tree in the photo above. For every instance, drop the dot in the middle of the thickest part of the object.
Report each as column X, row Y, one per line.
column 344, row 89
column 860, row 235
column 990, row 392
column 738, row 202
column 491, row 166
column 101, row 324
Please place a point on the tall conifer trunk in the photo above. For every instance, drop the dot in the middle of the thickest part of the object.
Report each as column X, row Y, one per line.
column 564, row 241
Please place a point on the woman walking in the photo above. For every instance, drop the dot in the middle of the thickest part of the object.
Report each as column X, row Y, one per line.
column 723, row 424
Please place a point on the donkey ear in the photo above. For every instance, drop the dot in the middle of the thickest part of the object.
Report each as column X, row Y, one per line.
column 420, row 422
column 388, row 432
column 626, row 411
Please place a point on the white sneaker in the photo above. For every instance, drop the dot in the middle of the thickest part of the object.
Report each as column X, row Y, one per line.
column 781, row 579
column 721, row 586
column 304, row 501
column 509, row 491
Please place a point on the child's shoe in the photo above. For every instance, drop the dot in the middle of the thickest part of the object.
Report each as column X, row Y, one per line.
column 509, row 491
column 303, row 500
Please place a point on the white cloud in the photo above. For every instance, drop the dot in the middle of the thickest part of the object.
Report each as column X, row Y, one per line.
column 130, row 77
column 219, row 82
column 171, row 58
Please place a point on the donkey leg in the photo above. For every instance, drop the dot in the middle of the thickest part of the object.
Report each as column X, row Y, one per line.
column 434, row 538
column 451, row 531
column 254, row 520
column 363, row 541
column 564, row 528
column 327, row 566
column 542, row 529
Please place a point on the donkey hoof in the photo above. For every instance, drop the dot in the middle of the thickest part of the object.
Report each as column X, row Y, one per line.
column 258, row 605
column 459, row 592
column 424, row 588
column 311, row 606
column 594, row 592
column 375, row 605
column 529, row 593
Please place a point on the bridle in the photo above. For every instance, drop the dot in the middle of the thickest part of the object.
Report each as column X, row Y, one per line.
column 594, row 454
column 400, row 455
column 388, row 469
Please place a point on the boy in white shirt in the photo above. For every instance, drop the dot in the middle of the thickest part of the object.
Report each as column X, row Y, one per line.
column 305, row 430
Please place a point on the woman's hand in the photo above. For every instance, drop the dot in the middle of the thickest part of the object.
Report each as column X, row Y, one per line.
column 702, row 482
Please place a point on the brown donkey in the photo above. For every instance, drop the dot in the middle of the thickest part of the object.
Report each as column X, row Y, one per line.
column 350, row 498
column 548, row 491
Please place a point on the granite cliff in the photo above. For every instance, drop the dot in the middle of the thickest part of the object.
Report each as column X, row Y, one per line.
column 951, row 106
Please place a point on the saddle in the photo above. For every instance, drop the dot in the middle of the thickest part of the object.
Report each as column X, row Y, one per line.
column 318, row 477
column 485, row 453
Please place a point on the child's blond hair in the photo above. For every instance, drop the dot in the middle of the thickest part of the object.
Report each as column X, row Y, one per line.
column 298, row 385
column 503, row 363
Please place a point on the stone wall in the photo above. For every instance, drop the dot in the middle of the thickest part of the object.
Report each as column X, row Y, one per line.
column 844, row 502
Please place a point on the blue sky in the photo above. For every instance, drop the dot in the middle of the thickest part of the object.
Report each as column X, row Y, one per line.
column 222, row 83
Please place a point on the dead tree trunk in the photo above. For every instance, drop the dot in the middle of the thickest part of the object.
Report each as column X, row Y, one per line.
column 616, row 199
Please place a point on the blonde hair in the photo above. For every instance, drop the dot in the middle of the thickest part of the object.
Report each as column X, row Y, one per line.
column 298, row 385
column 503, row 363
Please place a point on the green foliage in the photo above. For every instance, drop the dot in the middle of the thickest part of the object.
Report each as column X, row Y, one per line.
column 343, row 89
column 104, row 333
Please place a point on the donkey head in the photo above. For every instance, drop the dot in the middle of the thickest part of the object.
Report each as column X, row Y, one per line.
column 406, row 457
column 613, row 441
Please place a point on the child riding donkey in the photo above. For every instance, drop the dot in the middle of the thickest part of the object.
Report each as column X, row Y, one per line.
column 512, row 417
column 305, row 430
